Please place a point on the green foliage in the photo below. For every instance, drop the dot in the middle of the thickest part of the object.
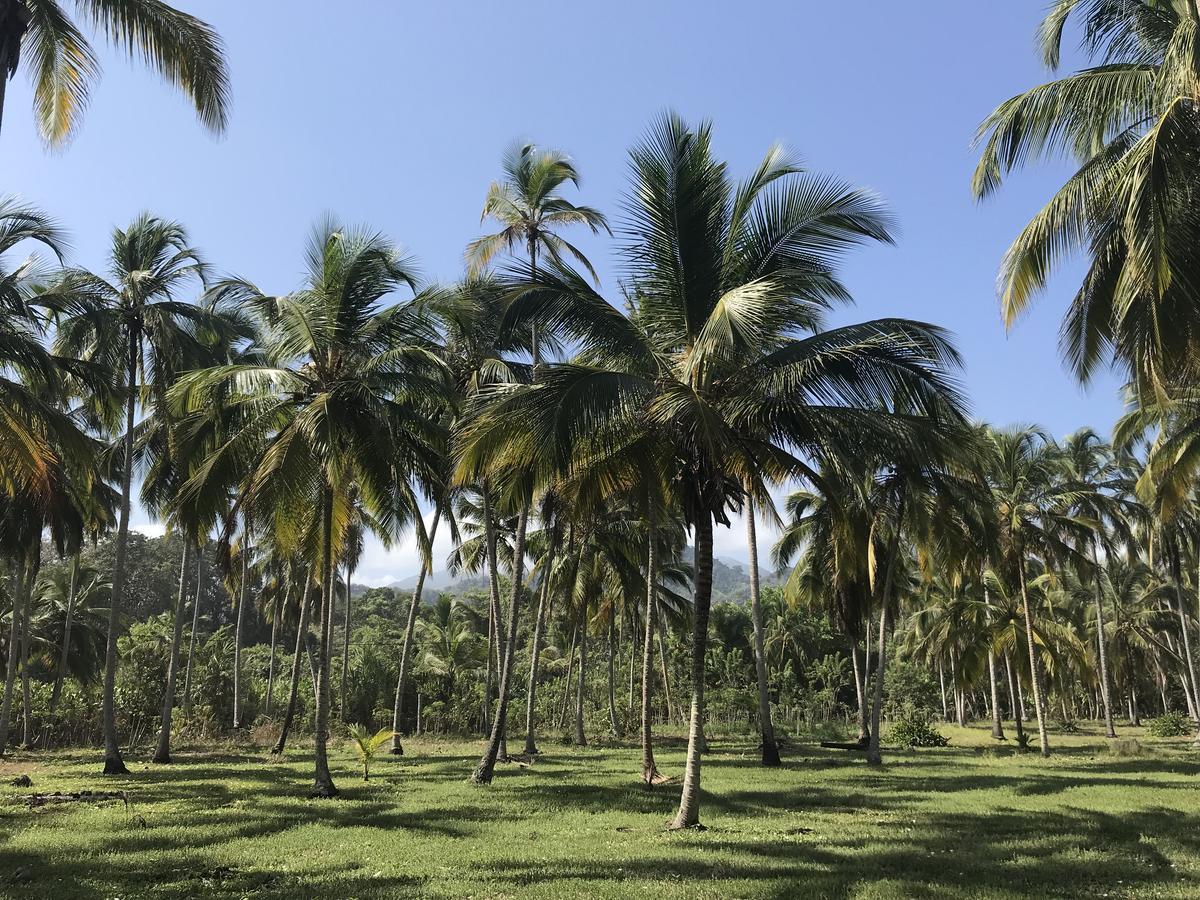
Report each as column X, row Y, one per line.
column 366, row 744
column 1171, row 724
column 915, row 730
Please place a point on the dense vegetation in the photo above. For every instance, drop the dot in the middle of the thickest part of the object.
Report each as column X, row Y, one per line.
column 580, row 448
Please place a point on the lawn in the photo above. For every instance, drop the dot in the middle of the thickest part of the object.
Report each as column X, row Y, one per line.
column 971, row 820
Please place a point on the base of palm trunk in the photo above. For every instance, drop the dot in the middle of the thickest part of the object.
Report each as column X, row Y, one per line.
column 693, row 826
column 531, row 749
column 483, row 773
column 323, row 790
column 770, row 754
column 114, row 765
column 397, row 750
column 162, row 759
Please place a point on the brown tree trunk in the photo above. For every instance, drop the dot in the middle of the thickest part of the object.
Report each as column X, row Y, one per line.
column 1102, row 647
column 346, row 644
column 666, row 671
column 409, row 630
column 688, row 815
column 276, row 611
column 535, row 649
column 64, row 654
column 770, row 749
column 113, row 764
column 243, row 599
column 187, row 672
column 163, row 752
column 581, row 692
column 35, row 565
column 289, row 712
column 650, row 772
column 1035, row 671
column 487, row 764
column 14, row 641
column 323, row 786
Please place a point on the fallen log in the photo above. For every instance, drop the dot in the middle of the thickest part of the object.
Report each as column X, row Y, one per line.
column 837, row 745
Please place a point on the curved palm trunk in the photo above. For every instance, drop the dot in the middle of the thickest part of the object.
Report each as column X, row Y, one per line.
column 65, row 653
column 1016, row 701
column 864, row 705
column 688, row 815
column 486, row 717
column 289, row 713
column 1102, row 648
column 535, row 650
column 613, row 725
column 770, row 749
column 323, row 786
column 666, row 672
column 581, row 688
column 566, row 698
column 487, row 764
column 346, row 644
column 1035, row 671
column 243, row 599
column 994, row 679
column 14, row 641
column 942, row 683
column 1190, row 667
column 187, row 672
column 113, row 764
column 650, row 772
column 162, row 753
column 885, row 620
column 409, row 630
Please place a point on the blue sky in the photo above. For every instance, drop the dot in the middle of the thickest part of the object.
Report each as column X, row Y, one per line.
column 396, row 115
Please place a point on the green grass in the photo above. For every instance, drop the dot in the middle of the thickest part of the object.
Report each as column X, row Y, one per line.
column 972, row 820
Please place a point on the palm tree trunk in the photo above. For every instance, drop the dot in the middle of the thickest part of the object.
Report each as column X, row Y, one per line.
column 35, row 565
column 535, row 650
column 276, row 610
column 1035, row 671
column 613, row 725
column 864, row 706
column 409, row 631
column 243, row 599
column 14, row 22
column 885, row 597
column 581, row 692
column 688, row 815
column 666, row 672
column 323, row 785
column 113, row 764
column 649, row 770
column 487, row 677
column 64, row 655
column 289, row 713
column 1101, row 646
column 346, row 643
column 860, row 689
column 1018, row 704
column 487, row 764
column 566, row 699
column 770, row 749
column 489, row 530
column 941, row 681
column 10, row 673
column 163, row 753
column 997, row 713
column 187, row 672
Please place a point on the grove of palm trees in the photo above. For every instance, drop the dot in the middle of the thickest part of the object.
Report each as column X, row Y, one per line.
column 700, row 579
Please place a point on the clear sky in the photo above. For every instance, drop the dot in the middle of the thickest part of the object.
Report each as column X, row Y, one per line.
column 396, row 114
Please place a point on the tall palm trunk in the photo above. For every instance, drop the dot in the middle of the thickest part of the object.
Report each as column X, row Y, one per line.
column 276, row 611
column 535, row 649
column 613, row 725
column 346, row 644
column 770, row 750
column 113, row 764
column 874, row 757
column 243, row 599
column 650, row 772
column 487, row 764
column 487, row 676
column 323, row 786
column 14, row 641
column 35, row 565
column 864, row 707
column 1102, row 648
column 566, row 698
column 860, row 689
column 1017, row 702
column 489, row 531
column 666, row 672
column 581, row 687
column 65, row 652
column 997, row 714
column 409, row 630
column 942, row 682
column 1035, row 670
column 14, row 22
column 163, row 752
column 1185, row 631
column 688, row 815
column 289, row 712
column 187, row 672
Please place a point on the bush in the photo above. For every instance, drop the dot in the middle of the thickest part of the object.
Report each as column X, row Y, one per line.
column 1172, row 724
column 915, row 730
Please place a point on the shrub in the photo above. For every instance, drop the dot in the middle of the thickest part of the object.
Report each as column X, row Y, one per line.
column 1172, row 724
column 1126, row 747
column 915, row 730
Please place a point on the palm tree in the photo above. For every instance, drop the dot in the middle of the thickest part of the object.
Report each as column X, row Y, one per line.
column 345, row 402
column 713, row 267
column 1129, row 123
column 133, row 324
column 181, row 48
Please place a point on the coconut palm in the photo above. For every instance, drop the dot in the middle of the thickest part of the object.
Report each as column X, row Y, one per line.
column 713, row 263
column 1129, row 124
column 39, row 35
column 345, row 405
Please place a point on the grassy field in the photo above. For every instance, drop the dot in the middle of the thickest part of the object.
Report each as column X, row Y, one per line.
column 969, row 820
